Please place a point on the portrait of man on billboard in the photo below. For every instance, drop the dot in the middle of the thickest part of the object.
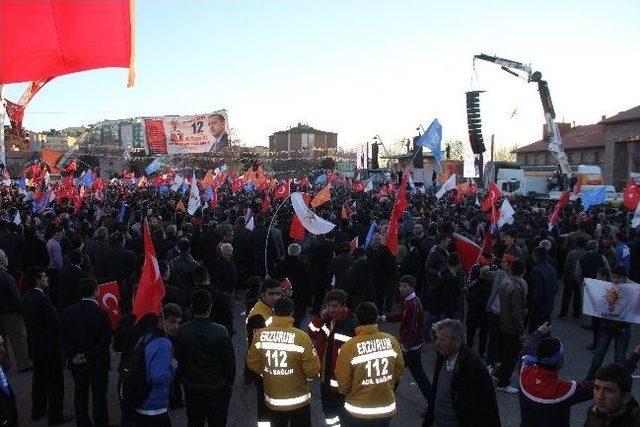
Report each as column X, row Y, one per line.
column 218, row 126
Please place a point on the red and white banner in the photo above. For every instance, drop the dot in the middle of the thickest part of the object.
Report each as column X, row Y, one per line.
column 187, row 134
column 614, row 301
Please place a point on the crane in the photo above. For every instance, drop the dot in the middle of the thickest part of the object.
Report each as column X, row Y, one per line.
column 525, row 72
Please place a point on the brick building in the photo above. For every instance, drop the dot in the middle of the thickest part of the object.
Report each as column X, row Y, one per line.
column 622, row 146
column 303, row 141
column 613, row 144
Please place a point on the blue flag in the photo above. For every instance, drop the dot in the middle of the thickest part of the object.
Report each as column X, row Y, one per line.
column 185, row 187
column 372, row 230
column 22, row 184
column 432, row 139
column 593, row 198
column 320, row 179
column 152, row 167
column 163, row 190
column 123, row 210
column 87, row 178
column 40, row 204
column 208, row 193
column 249, row 187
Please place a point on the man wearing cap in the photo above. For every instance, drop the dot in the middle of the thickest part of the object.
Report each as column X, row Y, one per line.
column 545, row 398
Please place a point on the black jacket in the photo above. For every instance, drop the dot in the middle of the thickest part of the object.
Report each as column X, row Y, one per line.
column 116, row 264
column 86, row 330
column 629, row 418
column 543, row 285
column 472, row 392
column 181, row 270
column 359, row 284
column 224, row 274
column 9, row 294
column 205, row 355
column 43, row 325
column 68, row 280
column 297, row 271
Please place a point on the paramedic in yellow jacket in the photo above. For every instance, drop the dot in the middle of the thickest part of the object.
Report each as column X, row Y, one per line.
column 287, row 361
column 368, row 368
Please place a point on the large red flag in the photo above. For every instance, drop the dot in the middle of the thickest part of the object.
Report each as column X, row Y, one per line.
column 43, row 39
column 468, row 251
column 297, row 229
column 148, row 298
column 109, row 299
column 401, row 204
column 631, row 195
column 266, row 203
column 555, row 215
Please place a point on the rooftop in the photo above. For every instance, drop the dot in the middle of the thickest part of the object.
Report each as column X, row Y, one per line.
column 630, row 115
column 580, row 137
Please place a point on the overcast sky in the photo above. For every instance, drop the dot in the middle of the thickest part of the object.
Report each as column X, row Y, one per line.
column 361, row 68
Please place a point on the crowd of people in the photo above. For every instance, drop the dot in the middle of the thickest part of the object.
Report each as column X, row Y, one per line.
column 313, row 307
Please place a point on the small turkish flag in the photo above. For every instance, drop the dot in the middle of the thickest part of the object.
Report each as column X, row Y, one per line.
column 109, row 299
column 358, row 187
column 283, row 191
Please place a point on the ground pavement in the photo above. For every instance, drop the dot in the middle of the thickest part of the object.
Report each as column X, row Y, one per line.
column 410, row 401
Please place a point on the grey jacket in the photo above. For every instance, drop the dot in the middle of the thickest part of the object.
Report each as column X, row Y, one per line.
column 569, row 270
column 500, row 277
column 513, row 306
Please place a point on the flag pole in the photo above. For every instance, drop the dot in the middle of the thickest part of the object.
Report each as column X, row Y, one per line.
column 266, row 240
column 2, row 115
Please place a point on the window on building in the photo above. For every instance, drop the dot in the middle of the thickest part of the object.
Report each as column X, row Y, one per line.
column 307, row 140
column 597, row 156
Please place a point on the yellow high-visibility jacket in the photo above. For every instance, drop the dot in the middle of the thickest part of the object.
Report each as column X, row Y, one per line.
column 368, row 367
column 286, row 359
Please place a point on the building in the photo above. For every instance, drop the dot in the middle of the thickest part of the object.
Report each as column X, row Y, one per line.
column 303, row 141
column 613, row 144
column 583, row 145
column 622, row 146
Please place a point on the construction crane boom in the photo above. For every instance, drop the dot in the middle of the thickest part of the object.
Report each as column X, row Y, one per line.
column 555, row 140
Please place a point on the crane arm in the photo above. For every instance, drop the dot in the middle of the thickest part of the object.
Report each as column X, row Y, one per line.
column 555, row 140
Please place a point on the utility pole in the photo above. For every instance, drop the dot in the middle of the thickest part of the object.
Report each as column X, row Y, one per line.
column 492, row 147
column 3, row 159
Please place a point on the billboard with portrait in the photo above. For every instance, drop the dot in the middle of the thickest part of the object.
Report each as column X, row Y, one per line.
column 200, row 133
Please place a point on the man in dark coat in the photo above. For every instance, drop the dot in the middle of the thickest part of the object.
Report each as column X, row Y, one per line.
column 463, row 392
column 339, row 266
column 320, row 255
column 68, row 280
column 543, row 286
column 223, row 272
column 86, row 336
column 383, row 271
column 181, row 270
column 359, row 284
column 117, row 262
column 297, row 271
column 43, row 337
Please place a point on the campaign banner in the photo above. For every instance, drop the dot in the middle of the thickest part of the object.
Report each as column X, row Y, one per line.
column 187, row 134
column 614, row 301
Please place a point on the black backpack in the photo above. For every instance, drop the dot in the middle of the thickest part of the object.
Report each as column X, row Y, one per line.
column 134, row 388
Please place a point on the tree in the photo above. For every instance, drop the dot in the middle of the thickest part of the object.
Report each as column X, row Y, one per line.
column 505, row 154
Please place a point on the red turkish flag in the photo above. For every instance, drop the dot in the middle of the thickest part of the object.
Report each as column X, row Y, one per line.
column 148, row 298
column 358, row 187
column 555, row 215
column 297, row 229
column 468, row 251
column 283, row 191
column 491, row 198
column 399, row 207
column 43, row 39
column 266, row 203
column 631, row 195
column 109, row 299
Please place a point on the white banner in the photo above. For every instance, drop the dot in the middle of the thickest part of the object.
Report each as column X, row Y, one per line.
column 612, row 301
column 312, row 222
column 187, row 134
